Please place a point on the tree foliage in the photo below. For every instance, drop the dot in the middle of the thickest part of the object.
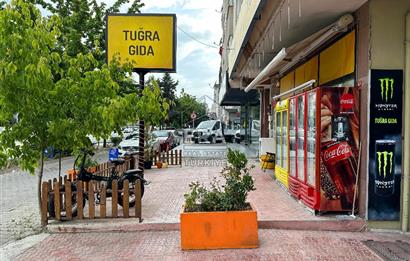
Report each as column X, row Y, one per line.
column 59, row 98
column 83, row 23
column 185, row 104
column 168, row 87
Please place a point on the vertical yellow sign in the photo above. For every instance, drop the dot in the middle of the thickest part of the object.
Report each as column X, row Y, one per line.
column 149, row 40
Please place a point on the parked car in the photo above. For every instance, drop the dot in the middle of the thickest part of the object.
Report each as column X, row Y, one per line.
column 255, row 132
column 129, row 145
column 229, row 134
column 211, row 131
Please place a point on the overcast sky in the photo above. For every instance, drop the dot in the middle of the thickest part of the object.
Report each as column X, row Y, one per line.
column 197, row 64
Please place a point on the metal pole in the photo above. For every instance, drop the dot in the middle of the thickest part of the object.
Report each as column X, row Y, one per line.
column 141, row 128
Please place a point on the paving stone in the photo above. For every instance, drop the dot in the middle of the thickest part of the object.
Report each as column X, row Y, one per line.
column 155, row 245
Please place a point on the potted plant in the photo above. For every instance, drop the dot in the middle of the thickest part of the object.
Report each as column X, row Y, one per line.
column 219, row 216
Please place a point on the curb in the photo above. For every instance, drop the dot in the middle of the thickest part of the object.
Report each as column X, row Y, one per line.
column 120, row 226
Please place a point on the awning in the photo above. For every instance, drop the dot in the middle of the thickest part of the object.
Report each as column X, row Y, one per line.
column 299, row 51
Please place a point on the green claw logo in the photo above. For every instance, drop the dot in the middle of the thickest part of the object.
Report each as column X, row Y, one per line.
column 383, row 159
column 386, row 88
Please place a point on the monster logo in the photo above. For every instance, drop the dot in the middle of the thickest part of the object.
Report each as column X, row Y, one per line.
column 383, row 159
column 386, row 88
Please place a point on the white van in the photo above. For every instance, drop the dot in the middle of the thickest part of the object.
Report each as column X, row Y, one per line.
column 211, row 131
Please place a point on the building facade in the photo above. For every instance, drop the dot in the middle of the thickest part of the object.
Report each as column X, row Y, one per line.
column 330, row 81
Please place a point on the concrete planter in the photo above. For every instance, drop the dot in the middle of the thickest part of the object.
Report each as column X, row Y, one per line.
column 221, row 229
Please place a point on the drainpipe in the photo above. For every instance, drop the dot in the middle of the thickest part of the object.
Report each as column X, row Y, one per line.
column 406, row 145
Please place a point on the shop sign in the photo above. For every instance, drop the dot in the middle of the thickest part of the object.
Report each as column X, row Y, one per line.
column 149, row 40
column 385, row 144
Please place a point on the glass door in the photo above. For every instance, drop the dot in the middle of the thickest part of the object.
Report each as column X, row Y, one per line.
column 292, row 138
column 301, row 138
column 311, row 138
column 285, row 140
column 278, row 140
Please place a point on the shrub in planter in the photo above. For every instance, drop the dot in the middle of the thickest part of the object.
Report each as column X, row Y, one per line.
column 218, row 216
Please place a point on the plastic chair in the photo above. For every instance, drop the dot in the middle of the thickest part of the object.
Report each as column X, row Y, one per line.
column 270, row 158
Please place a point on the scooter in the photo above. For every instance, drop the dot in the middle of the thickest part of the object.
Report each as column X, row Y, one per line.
column 131, row 175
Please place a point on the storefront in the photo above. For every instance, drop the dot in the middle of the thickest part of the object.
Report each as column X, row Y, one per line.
column 334, row 87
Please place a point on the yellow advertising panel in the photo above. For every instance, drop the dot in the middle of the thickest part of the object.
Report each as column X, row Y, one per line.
column 338, row 60
column 287, row 82
column 147, row 39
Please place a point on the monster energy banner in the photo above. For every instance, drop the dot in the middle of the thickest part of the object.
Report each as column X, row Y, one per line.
column 385, row 147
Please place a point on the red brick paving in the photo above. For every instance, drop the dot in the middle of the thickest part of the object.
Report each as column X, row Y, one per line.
column 156, row 245
column 164, row 196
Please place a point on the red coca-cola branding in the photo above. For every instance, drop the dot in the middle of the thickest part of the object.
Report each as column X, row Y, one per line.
column 336, row 152
column 347, row 101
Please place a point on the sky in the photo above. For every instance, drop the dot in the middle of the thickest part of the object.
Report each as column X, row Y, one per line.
column 197, row 64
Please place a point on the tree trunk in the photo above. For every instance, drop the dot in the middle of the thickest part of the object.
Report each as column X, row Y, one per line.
column 40, row 179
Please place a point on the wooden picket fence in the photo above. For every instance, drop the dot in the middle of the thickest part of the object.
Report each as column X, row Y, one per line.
column 172, row 157
column 61, row 190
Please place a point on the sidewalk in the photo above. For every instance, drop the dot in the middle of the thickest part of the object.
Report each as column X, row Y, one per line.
column 157, row 237
column 165, row 245
column 164, row 197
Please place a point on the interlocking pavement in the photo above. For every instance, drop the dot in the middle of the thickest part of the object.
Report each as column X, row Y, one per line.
column 165, row 245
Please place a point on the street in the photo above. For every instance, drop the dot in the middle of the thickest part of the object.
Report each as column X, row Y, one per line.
column 19, row 213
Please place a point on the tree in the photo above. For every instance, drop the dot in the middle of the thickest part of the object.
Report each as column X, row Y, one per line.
column 186, row 104
column 59, row 98
column 83, row 24
column 168, row 87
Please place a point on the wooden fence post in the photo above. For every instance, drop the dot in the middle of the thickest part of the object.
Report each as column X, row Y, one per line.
column 91, row 201
column 125, row 198
column 138, row 209
column 44, row 204
column 57, row 206
column 103, row 200
column 180, row 158
column 80, row 213
column 68, row 203
column 114, row 199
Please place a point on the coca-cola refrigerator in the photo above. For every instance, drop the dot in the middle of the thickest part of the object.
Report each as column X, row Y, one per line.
column 323, row 147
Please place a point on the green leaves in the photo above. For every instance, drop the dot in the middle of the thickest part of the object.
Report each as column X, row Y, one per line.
column 59, row 98
column 230, row 196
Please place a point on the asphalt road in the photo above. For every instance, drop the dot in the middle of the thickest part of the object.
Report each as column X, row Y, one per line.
column 19, row 214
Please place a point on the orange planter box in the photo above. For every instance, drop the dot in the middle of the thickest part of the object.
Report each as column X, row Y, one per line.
column 222, row 229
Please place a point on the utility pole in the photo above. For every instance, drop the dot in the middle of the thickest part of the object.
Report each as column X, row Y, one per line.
column 141, row 127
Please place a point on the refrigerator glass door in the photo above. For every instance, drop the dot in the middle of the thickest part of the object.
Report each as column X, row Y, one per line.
column 311, row 142
column 285, row 140
column 292, row 138
column 301, row 137
column 278, row 140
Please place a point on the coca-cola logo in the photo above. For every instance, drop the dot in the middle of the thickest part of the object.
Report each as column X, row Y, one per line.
column 347, row 101
column 338, row 151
